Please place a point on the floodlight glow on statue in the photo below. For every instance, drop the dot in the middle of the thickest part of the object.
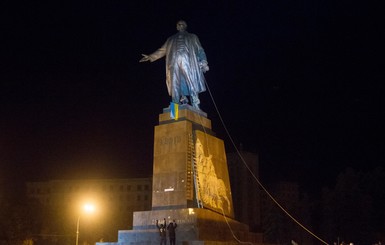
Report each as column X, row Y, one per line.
column 185, row 64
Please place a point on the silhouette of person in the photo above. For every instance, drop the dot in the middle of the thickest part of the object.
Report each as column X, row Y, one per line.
column 162, row 232
column 171, row 232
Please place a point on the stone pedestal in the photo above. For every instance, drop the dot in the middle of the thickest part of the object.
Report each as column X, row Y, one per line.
column 195, row 226
column 190, row 185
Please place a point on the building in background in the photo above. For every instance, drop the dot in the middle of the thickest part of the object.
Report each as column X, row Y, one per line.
column 244, row 188
column 254, row 207
column 278, row 227
column 115, row 199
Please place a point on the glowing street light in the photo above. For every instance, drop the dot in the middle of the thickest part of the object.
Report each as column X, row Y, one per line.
column 87, row 208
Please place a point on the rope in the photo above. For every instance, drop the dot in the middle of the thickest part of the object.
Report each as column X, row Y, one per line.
column 256, row 179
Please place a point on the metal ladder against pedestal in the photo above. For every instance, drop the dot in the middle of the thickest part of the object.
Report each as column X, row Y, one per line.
column 195, row 172
column 189, row 171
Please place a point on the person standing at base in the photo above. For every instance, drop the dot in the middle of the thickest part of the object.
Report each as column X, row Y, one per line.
column 171, row 232
column 162, row 232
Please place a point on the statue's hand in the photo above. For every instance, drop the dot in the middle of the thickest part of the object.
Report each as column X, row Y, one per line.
column 145, row 58
column 204, row 66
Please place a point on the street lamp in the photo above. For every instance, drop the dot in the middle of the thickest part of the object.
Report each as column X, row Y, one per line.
column 87, row 208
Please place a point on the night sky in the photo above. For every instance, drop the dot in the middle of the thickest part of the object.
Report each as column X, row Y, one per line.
column 299, row 82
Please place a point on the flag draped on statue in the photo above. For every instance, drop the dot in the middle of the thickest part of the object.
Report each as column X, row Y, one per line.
column 174, row 110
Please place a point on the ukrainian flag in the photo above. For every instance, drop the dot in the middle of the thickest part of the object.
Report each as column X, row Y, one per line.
column 174, row 110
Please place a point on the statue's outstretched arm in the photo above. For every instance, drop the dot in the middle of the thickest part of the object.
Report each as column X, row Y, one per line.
column 159, row 53
column 145, row 58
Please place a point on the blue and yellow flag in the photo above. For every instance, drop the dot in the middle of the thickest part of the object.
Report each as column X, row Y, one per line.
column 174, row 110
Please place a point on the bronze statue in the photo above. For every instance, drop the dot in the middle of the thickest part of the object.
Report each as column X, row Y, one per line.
column 185, row 64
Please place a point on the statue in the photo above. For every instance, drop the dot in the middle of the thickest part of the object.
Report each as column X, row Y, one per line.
column 185, row 64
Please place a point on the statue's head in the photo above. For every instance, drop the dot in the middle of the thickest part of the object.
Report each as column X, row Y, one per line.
column 181, row 25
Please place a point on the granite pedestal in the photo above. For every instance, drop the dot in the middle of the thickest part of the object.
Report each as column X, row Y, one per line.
column 190, row 185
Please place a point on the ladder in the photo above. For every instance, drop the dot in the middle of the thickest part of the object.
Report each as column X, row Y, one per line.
column 194, row 171
column 189, row 170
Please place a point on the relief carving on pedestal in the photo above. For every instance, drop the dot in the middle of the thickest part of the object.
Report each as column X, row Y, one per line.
column 212, row 191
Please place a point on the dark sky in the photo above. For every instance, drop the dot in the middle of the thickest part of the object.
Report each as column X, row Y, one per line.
column 298, row 81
